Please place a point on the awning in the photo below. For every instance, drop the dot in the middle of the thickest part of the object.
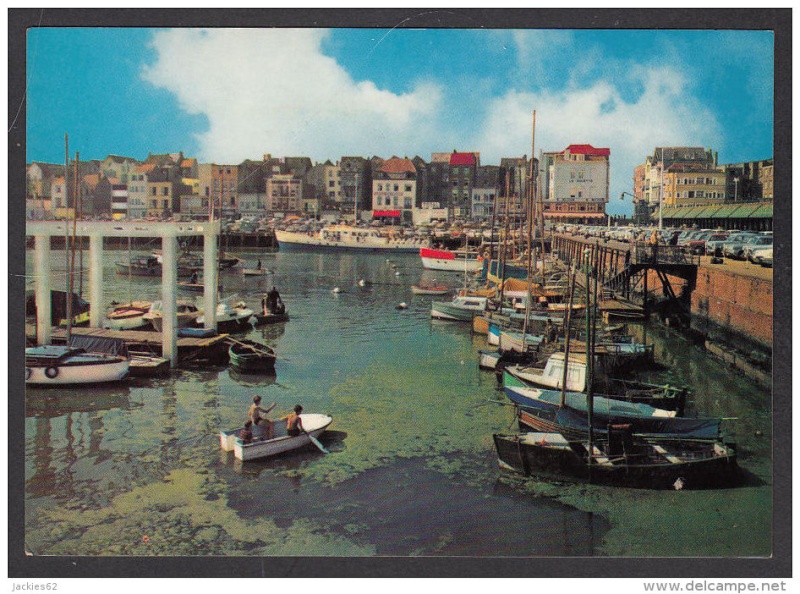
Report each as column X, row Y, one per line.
column 764, row 211
column 385, row 213
column 693, row 212
column 706, row 212
column 726, row 212
column 672, row 213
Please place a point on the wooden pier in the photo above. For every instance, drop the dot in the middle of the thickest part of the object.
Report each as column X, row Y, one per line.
column 623, row 270
column 191, row 350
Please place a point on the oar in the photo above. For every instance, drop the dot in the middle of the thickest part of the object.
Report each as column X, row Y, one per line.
column 316, row 442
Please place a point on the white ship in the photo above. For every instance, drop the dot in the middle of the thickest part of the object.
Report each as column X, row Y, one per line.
column 343, row 237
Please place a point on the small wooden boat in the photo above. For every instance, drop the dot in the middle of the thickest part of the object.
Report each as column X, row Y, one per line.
column 127, row 316
column 257, row 271
column 194, row 287
column 248, row 355
column 621, row 459
column 54, row 365
column 430, row 289
column 140, row 266
column 187, row 313
column 263, row 319
column 314, row 424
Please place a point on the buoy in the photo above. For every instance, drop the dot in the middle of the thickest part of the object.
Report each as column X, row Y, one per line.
column 362, row 283
column 402, row 305
column 336, row 290
column 397, row 273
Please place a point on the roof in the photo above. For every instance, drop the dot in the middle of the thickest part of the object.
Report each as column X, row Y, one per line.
column 188, row 162
column 147, row 167
column 462, row 159
column 397, row 165
column 587, row 149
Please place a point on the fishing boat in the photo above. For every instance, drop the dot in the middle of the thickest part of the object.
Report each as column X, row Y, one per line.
column 460, row 309
column 345, row 237
column 663, row 396
column 314, row 425
column 621, row 459
column 61, row 365
column 430, row 289
column 450, row 260
column 230, row 319
column 127, row 316
column 554, row 411
column 519, row 342
column 552, row 375
column 186, row 312
column 250, row 356
column 139, row 266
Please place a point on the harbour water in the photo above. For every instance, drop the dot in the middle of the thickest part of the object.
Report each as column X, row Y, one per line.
column 137, row 469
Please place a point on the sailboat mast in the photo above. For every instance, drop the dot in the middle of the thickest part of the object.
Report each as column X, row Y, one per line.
column 66, row 239
column 566, row 339
column 589, row 355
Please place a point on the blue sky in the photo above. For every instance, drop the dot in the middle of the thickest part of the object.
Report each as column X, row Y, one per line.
column 224, row 95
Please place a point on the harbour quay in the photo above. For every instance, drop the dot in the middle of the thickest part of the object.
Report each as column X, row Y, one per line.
column 726, row 305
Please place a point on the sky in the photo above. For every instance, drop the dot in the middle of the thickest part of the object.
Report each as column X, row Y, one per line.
column 225, row 95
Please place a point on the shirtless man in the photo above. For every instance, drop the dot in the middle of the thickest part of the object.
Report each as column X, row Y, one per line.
column 254, row 414
column 294, row 425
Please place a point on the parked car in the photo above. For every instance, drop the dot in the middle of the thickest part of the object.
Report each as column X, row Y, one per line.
column 762, row 256
column 714, row 241
column 761, row 241
column 734, row 246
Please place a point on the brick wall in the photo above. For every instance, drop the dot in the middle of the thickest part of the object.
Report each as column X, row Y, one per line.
column 739, row 303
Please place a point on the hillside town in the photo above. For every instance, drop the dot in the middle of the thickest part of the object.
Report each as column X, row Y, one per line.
column 674, row 186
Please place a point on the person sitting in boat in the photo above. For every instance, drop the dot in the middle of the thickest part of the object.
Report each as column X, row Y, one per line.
column 258, row 266
column 262, row 426
column 294, row 425
column 246, row 434
column 193, row 278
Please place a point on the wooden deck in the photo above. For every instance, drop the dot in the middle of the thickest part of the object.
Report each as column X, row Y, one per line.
column 212, row 348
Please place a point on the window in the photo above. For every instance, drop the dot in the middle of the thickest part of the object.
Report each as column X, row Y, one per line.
column 396, row 187
column 380, row 187
column 154, row 191
column 408, row 188
column 165, row 191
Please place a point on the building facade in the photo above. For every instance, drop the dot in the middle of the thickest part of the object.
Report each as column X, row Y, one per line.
column 574, row 183
column 394, row 190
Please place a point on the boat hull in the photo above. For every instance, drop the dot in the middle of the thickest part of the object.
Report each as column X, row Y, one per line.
column 662, row 464
column 289, row 241
column 448, row 261
column 76, row 369
column 249, row 356
column 315, row 425
column 444, row 311
column 429, row 290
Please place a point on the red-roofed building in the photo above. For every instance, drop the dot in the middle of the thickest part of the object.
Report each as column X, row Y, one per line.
column 574, row 184
column 394, row 189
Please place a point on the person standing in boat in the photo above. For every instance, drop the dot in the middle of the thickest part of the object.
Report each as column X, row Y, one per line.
column 193, row 278
column 294, row 425
column 262, row 426
column 274, row 301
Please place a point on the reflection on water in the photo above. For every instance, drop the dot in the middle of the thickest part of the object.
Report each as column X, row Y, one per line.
column 411, row 471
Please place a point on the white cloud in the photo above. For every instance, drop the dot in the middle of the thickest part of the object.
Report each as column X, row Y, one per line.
column 662, row 114
column 274, row 91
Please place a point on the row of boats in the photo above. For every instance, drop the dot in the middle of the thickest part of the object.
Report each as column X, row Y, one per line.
column 579, row 413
